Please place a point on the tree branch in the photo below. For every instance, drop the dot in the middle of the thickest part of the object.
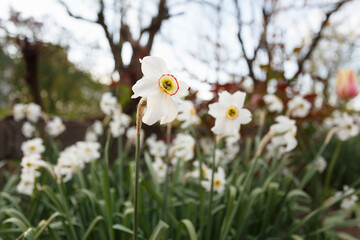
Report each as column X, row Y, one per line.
column 154, row 27
column 248, row 60
column 73, row 15
column 317, row 38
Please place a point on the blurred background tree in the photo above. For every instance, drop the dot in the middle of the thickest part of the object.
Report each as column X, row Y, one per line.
column 33, row 70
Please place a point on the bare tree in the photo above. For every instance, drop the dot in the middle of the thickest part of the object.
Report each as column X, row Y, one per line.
column 269, row 10
column 130, row 72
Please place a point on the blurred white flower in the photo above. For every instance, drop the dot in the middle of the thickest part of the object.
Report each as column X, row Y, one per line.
column 183, row 147
column 88, row 151
column 33, row 112
column 348, row 127
column 108, row 103
column 156, row 148
column 161, row 89
column 350, row 201
column 187, row 114
column 160, row 169
column 98, row 128
column 320, row 164
column 228, row 113
column 206, row 171
column 29, row 172
column 284, row 136
column 33, row 146
column 28, row 130
column 299, row 107
column 274, row 103
column 26, row 186
column 19, row 111
column 91, row 136
column 132, row 136
column 119, row 124
column 219, row 181
column 55, row 127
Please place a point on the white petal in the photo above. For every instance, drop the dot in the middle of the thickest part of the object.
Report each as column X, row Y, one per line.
column 239, row 99
column 231, row 127
column 183, row 90
column 171, row 109
column 244, row 116
column 153, row 67
column 216, row 110
column 156, row 109
column 225, row 98
column 219, row 125
column 144, row 87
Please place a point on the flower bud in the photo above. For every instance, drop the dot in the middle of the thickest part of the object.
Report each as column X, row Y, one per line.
column 347, row 84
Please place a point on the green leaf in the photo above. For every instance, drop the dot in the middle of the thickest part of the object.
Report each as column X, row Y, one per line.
column 124, row 229
column 296, row 237
column 159, row 231
column 91, row 227
column 190, row 229
column 229, row 216
column 44, row 224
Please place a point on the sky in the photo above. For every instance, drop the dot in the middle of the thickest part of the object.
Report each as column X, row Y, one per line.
column 186, row 41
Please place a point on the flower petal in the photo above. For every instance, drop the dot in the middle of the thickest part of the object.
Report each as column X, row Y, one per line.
column 171, row 111
column 153, row 67
column 219, row 125
column 244, row 116
column 144, row 87
column 216, row 110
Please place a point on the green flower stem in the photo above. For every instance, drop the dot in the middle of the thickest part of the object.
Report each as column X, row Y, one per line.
column 67, row 211
column 209, row 225
column 137, row 171
column 106, row 188
column 167, row 162
column 331, row 167
column 121, row 165
column 140, row 109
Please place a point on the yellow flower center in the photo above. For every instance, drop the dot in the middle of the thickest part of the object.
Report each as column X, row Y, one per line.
column 193, row 111
column 217, row 183
column 232, row 112
column 169, row 84
column 32, row 148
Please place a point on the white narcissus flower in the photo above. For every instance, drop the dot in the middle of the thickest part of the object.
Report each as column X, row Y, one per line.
column 19, row 111
column 33, row 146
column 160, row 169
column 98, row 128
column 161, row 89
column 274, row 103
column 88, row 151
column 183, row 147
column 119, row 123
column 284, row 136
column 156, row 148
column 320, row 164
column 28, row 130
column 33, row 112
column 206, row 171
column 350, row 201
column 348, row 127
column 55, row 127
column 29, row 172
column 108, row 103
column 187, row 114
column 218, row 183
column 91, row 136
column 229, row 113
column 299, row 107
